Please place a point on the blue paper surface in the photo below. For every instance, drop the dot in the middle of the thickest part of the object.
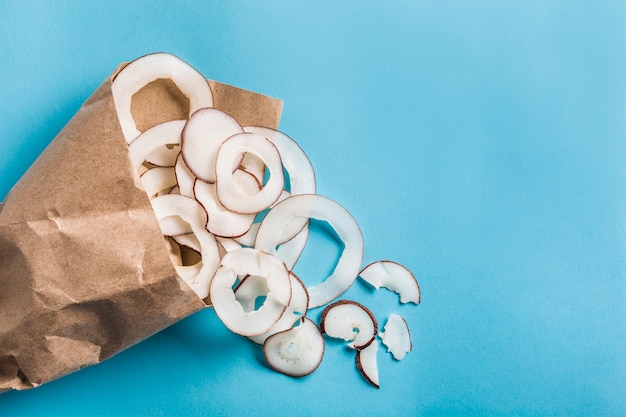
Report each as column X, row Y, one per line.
column 481, row 144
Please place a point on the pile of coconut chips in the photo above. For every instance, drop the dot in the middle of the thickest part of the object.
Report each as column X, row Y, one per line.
column 234, row 204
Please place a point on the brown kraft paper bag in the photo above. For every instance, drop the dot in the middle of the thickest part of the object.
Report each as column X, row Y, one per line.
column 84, row 269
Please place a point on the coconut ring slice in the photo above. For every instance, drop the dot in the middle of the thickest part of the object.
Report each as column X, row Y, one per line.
column 271, row 234
column 139, row 73
column 248, row 261
column 190, row 212
column 229, row 154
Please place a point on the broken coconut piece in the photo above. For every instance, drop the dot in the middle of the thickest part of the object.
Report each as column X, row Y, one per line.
column 142, row 71
column 295, row 352
column 350, row 321
column 271, row 234
column 367, row 363
column 396, row 336
column 202, row 136
column 190, row 212
column 248, row 261
column 394, row 277
column 230, row 153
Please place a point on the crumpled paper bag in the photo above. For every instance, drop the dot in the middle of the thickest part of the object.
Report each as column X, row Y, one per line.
column 84, row 269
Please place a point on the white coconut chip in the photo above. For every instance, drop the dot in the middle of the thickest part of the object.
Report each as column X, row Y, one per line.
column 248, row 261
column 350, row 321
column 295, row 352
column 367, row 363
column 139, row 73
column 190, row 211
column 272, row 234
column 203, row 135
column 393, row 276
column 229, row 154
column 163, row 134
column 396, row 337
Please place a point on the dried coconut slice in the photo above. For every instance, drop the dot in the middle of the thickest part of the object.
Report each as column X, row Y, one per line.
column 164, row 156
column 203, row 135
column 229, row 154
column 139, row 73
column 184, row 177
column 248, row 261
column 393, row 276
column 224, row 222
column 163, row 134
column 190, row 211
column 295, row 352
column 350, row 321
column 158, row 180
column 367, row 363
column 271, row 234
column 396, row 337
column 296, row 309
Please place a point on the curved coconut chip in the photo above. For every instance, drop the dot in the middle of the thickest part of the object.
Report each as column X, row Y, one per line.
column 396, row 336
column 350, row 321
column 393, row 276
column 139, row 73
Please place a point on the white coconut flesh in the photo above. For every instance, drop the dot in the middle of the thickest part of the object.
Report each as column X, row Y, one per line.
column 203, row 135
column 396, row 336
column 295, row 352
column 184, row 177
column 295, row 162
column 156, row 137
column 350, row 321
column 296, row 309
column 221, row 221
column 190, row 211
column 147, row 69
column 271, row 234
column 158, row 180
column 248, row 261
column 367, row 363
column 164, row 156
column 394, row 277
column 229, row 154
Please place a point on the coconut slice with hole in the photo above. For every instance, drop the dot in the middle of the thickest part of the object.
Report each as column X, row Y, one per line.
column 393, row 276
column 367, row 363
column 163, row 134
column 230, row 194
column 190, row 212
column 350, row 321
column 271, row 234
column 202, row 136
column 396, row 337
column 295, row 352
column 248, row 261
column 139, row 73
column 296, row 309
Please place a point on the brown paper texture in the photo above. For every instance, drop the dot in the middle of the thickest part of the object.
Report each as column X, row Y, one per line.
column 84, row 270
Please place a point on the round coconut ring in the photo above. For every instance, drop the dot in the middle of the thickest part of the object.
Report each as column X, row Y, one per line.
column 235, row 198
column 271, row 234
column 139, row 73
column 248, row 261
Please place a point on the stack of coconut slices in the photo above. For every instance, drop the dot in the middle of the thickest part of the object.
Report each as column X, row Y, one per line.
column 209, row 179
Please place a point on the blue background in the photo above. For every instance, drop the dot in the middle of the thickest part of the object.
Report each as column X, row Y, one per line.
column 482, row 144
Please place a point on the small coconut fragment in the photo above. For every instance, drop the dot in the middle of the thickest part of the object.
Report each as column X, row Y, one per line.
column 295, row 352
column 350, row 321
column 396, row 336
column 248, row 261
column 393, row 276
column 142, row 71
column 367, row 364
